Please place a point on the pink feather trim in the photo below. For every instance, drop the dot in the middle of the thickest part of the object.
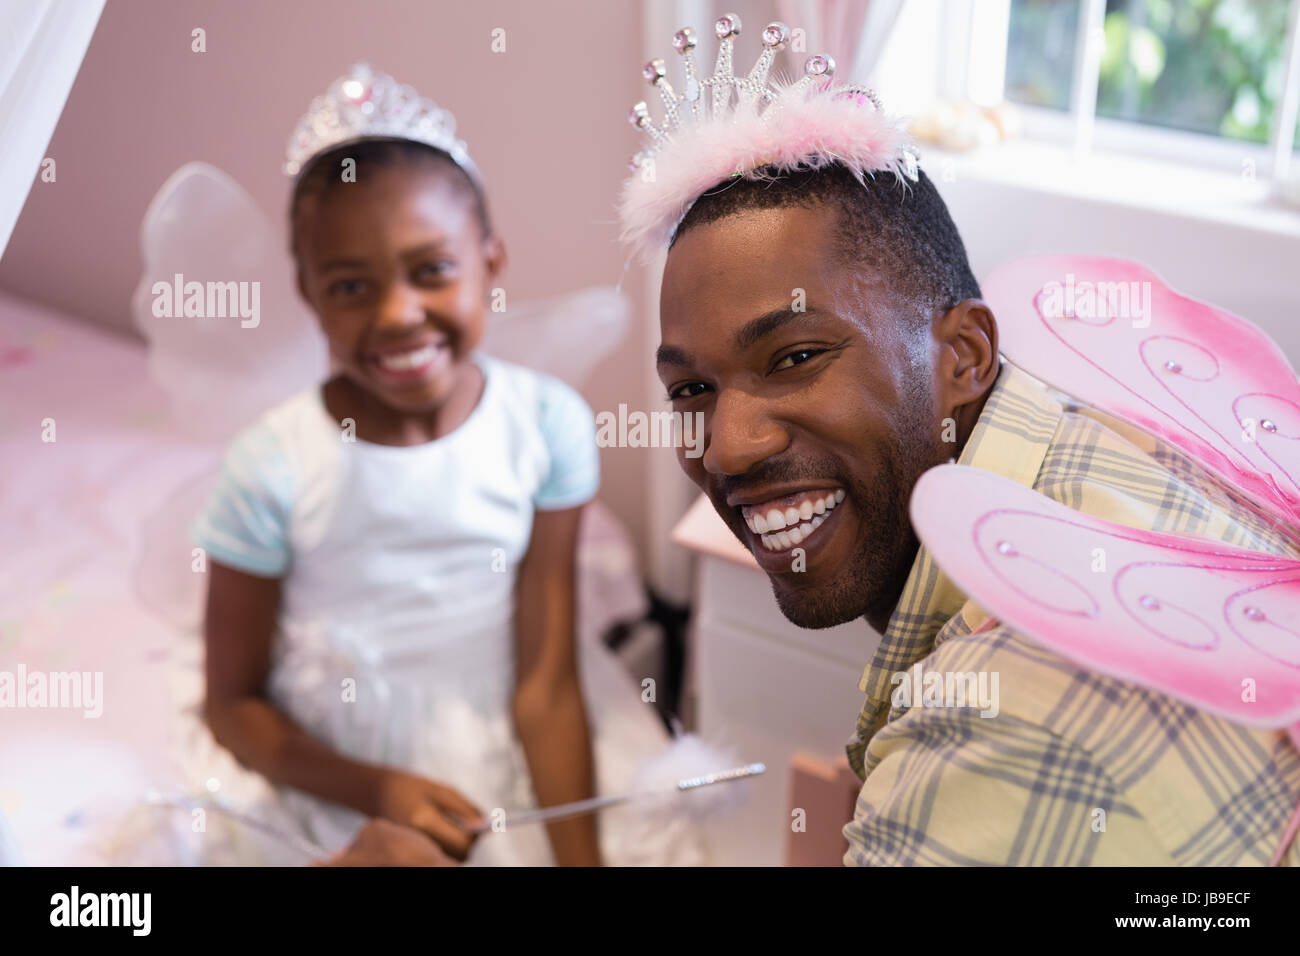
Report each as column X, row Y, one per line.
column 796, row 131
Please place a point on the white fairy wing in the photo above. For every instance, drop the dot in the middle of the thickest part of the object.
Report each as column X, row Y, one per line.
column 1190, row 618
column 566, row 335
column 218, row 371
column 256, row 342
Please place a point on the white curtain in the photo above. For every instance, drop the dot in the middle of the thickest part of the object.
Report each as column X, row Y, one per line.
column 853, row 32
column 42, row 43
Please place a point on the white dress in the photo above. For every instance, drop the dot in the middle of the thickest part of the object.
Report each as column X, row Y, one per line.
column 396, row 630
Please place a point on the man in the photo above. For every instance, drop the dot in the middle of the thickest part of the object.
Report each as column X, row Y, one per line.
column 826, row 323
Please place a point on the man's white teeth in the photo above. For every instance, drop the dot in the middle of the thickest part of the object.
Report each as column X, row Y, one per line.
column 784, row 540
column 780, row 529
column 402, row 361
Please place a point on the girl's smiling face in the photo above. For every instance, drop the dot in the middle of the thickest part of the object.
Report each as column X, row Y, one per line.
column 397, row 268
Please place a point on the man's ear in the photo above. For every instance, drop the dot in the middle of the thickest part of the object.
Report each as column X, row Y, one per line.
column 967, row 336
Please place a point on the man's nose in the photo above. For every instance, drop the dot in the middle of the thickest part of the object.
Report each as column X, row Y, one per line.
column 401, row 306
column 741, row 433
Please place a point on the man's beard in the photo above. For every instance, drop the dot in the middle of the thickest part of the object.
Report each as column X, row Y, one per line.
column 875, row 575
column 871, row 582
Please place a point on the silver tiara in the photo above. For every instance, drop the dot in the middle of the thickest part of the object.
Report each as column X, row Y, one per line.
column 729, row 124
column 365, row 104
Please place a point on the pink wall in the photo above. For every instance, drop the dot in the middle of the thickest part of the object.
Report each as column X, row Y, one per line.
column 545, row 121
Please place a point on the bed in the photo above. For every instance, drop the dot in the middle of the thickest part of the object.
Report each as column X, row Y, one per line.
column 96, row 489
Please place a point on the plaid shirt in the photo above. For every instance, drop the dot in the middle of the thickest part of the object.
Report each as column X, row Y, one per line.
column 1075, row 768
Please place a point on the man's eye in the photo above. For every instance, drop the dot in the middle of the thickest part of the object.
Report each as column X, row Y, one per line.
column 797, row 358
column 689, row 390
column 348, row 288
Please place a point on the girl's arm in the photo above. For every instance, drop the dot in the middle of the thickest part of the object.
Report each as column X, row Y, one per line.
column 548, row 709
column 238, row 630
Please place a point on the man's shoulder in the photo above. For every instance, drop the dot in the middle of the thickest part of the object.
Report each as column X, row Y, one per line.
column 1012, row 680
column 1030, row 681
column 1027, row 683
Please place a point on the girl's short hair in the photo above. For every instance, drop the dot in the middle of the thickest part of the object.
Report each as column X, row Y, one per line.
column 322, row 174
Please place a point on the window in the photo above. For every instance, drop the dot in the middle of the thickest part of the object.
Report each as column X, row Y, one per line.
column 1205, row 66
column 1149, row 70
column 1041, row 37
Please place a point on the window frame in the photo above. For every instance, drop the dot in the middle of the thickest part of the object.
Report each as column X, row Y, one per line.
column 1081, row 130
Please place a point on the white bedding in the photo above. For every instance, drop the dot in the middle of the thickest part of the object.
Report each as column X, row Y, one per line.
column 72, row 511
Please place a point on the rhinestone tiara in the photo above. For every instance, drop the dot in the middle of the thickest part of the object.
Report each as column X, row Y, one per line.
column 365, row 104
column 724, row 125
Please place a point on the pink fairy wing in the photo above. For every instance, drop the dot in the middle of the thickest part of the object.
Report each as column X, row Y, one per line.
column 1110, row 333
column 1188, row 617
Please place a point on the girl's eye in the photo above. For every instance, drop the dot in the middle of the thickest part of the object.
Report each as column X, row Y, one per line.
column 686, row 391
column 433, row 270
column 348, row 287
column 797, row 358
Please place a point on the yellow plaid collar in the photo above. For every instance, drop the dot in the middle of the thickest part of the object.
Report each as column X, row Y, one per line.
column 1010, row 439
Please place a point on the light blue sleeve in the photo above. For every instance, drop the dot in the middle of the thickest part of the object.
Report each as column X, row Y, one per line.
column 246, row 522
column 570, row 432
column 10, row 854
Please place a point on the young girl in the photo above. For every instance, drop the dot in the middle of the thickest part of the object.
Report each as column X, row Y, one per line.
column 390, row 616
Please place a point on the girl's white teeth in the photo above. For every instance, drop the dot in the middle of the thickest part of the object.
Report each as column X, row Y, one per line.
column 402, row 361
column 776, row 520
column 784, row 540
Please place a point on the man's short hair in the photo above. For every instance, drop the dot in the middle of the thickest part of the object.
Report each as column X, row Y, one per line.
column 903, row 230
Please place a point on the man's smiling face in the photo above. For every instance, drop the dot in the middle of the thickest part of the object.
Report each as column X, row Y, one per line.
column 817, row 422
